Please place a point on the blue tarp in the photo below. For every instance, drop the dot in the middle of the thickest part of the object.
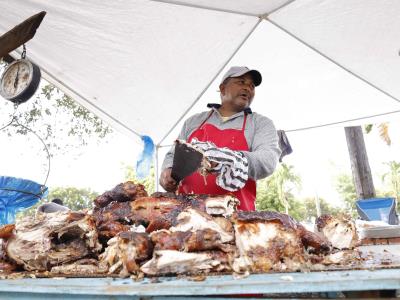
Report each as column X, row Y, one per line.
column 378, row 209
column 17, row 194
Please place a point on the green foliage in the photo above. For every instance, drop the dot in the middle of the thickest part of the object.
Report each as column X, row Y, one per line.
column 368, row 128
column 148, row 182
column 73, row 198
column 310, row 207
column 275, row 192
column 345, row 187
column 392, row 178
column 61, row 122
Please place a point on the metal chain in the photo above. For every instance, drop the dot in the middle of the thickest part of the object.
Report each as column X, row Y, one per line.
column 23, row 54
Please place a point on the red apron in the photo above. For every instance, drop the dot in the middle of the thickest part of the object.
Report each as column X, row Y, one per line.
column 233, row 139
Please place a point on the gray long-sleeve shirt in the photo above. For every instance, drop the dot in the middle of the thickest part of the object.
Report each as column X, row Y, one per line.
column 260, row 133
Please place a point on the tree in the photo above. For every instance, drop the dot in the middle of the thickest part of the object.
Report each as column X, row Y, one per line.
column 73, row 198
column 275, row 192
column 393, row 178
column 311, row 210
column 61, row 122
column 346, row 189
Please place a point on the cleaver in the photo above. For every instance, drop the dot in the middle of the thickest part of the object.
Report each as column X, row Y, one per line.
column 187, row 160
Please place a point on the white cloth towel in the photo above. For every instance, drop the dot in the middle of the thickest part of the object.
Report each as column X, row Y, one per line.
column 232, row 166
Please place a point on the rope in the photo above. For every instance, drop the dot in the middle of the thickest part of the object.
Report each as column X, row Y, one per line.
column 15, row 120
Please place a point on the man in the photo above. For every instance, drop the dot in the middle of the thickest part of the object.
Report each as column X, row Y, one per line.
column 251, row 138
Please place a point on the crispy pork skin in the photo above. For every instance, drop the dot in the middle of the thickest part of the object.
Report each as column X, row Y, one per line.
column 52, row 239
column 177, row 262
column 340, row 231
column 127, row 191
column 125, row 252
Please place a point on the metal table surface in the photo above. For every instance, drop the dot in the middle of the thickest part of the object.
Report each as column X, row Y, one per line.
column 211, row 287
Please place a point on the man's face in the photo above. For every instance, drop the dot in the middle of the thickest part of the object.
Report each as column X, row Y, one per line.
column 237, row 92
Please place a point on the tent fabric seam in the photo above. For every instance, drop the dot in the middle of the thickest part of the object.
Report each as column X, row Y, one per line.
column 324, row 125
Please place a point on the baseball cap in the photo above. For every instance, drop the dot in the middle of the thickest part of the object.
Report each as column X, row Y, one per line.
column 239, row 71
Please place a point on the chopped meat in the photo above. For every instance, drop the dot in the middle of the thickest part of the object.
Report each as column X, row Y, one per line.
column 193, row 220
column 340, row 231
column 219, row 205
column 81, row 267
column 188, row 241
column 158, row 211
column 177, row 262
column 52, row 239
column 313, row 242
column 123, row 192
column 113, row 218
column 125, row 252
column 5, row 265
column 269, row 240
column 6, row 231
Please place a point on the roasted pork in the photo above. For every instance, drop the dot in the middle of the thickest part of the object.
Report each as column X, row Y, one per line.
column 52, row 239
column 340, row 231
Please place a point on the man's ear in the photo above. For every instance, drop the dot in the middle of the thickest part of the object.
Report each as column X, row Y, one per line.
column 222, row 89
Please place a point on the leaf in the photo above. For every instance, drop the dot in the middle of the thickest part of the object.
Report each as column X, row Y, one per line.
column 384, row 133
column 368, row 128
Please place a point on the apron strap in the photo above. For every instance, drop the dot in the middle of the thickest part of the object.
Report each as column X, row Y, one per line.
column 209, row 115
column 244, row 122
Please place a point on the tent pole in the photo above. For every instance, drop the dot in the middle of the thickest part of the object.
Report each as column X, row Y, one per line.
column 210, row 82
column 156, row 170
column 333, row 61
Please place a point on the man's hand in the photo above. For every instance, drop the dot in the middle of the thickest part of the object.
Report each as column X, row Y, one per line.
column 167, row 182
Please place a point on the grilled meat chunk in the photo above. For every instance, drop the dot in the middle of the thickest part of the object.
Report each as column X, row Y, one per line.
column 268, row 240
column 340, row 231
column 123, row 192
column 188, row 241
column 177, row 262
column 51, row 239
column 125, row 252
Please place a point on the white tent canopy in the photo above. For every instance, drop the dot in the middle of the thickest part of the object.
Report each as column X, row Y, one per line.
column 143, row 66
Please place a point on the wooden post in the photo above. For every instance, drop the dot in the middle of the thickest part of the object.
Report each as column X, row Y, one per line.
column 20, row 34
column 359, row 163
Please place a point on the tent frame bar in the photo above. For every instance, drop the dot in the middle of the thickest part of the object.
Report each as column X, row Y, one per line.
column 262, row 16
column 75, row 95
column 206, row 7
column 210, row 82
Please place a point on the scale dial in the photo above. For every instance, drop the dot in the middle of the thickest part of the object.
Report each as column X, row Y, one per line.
column 19, row 81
